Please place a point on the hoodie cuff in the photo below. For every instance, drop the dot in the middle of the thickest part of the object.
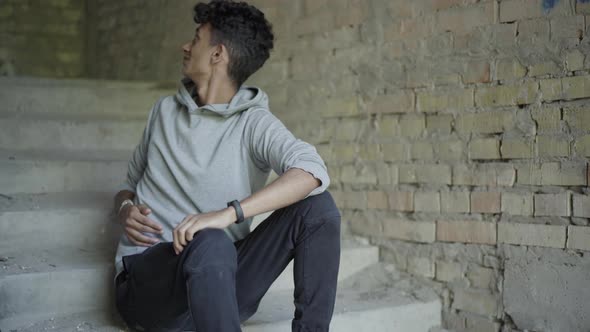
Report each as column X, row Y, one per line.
column 318, row 172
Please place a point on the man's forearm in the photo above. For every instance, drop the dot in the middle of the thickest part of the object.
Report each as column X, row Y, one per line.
column 120, row 197
column 289, row 188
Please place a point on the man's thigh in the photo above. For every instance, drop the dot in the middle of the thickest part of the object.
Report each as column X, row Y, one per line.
column 155, row 291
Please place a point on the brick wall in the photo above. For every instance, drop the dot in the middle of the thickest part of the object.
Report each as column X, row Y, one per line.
column 42, row 38
column 457, row 134
column 457, row 137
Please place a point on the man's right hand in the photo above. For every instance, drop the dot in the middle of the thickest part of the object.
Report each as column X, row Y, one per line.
column 135, row 222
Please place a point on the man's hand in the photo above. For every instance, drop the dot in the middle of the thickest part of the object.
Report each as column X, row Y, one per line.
column 191, row 224
column 135, row 221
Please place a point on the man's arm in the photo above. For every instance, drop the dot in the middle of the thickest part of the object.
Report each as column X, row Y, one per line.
column 138, row 162
column 135, row 219
column 272, row 145
column 291, row 187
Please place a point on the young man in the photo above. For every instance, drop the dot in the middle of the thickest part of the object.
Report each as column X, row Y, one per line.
column 187, row 259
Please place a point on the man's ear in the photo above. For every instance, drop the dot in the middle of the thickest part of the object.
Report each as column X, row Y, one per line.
column 220, row 54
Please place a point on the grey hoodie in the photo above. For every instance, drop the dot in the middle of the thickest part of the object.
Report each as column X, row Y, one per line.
column 195, row 159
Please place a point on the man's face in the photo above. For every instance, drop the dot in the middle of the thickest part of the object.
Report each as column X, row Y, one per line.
column 197, row 53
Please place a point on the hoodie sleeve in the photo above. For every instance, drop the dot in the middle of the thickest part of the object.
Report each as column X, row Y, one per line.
column 138, row 161
column 273, row 146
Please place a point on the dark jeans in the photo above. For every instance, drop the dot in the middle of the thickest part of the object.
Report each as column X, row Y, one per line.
column 214, row 284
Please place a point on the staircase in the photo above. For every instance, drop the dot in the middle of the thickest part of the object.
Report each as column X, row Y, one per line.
column 64, row 146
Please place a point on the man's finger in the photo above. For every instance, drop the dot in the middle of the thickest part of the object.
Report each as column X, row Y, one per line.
column 140, row 227
column 183, row 222
column 175, row 243
column 144, row 209
column 137, row 243
column 182, row 239
column 138, row 238
column 148, row 222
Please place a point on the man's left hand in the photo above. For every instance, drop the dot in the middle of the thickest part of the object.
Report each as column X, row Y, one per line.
column 191, row 224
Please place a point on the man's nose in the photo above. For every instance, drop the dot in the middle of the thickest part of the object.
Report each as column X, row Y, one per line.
column 186, row 47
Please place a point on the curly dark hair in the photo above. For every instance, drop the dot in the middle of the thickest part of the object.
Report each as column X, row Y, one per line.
column 243, row 30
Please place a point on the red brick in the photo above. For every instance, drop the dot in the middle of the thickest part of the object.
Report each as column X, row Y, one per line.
column 401, row 201
column 377, row 200
column 485, row 202
column 417, row 231
column 466, row 231
column 350, row 199
column 401, row 101
column 476, row 72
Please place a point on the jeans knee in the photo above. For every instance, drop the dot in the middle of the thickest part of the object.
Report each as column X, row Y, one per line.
column 319, row 206
column 209, row 247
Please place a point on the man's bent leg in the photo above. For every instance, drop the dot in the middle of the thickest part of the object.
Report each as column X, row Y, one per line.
column 210, row 273
column 150, row 294
column 194, row 290
column 309, row 232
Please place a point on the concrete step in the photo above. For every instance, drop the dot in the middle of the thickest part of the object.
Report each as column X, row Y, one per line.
column 377, row 309
column 79, row 135
column 75, row 172
column 81, row 321
column 59, row 280
column 440, row 329
column 94, row 98
column 375, row 299
column 64, row 155
column 71, row 219
column 52, row 282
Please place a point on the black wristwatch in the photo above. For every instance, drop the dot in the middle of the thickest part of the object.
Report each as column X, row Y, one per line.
column 238, row 208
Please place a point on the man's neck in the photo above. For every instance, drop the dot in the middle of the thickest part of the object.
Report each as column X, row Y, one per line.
column 214, row 91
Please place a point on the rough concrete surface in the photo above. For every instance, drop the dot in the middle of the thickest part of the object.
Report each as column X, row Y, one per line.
column 547, row 289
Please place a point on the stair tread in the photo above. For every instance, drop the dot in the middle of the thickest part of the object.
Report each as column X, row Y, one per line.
column 43, row 176
column 56, row 201
column 440, row 329
column 66, row 83
column 16, row 262
column 67, row 98
column 31, row 116
column 355, row 295
column 63, row 155
column 373, row 287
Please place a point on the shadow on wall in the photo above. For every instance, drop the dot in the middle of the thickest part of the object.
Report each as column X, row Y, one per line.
column 6, row 65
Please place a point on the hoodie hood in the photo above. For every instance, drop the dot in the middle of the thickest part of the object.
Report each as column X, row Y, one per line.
column 246, row 98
